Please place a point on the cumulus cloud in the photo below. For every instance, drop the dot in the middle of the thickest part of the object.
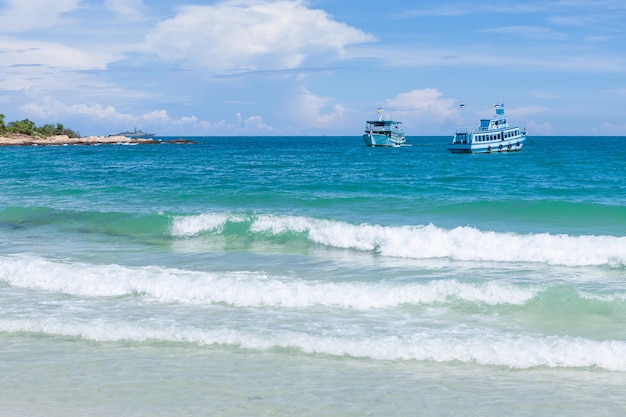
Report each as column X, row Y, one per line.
column 50, row 107
column 24, row 15
column 252, row 125
column 250, row 35
column 535, row 128
column 314, row 111
column 423, row 107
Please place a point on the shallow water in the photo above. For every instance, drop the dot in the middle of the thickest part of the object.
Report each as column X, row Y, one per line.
column 313, row 276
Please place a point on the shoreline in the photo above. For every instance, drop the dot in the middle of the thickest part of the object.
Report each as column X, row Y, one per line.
column 27, row 140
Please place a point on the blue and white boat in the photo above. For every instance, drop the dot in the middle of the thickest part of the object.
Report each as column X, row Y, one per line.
column 493, row 135
column 383, row 132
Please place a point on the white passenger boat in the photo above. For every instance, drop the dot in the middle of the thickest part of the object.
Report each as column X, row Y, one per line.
column 383, row 132
column 493, row 135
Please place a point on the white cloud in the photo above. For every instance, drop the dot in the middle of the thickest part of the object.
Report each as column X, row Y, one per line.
column 159, row 115
column 252, row 125
column 610, row 129
column 127, row 9
column 25, row 15
column 544, row 58
column 426, row 107
column 50, row 107
column 250, row 35
column 535, row 128
column 530, row 32
column 314, row 111
column 584, row 20
column 42, row 53
column 527, row 111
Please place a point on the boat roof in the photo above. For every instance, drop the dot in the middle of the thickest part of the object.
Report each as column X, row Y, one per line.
column 502, row 119
column 382, row 122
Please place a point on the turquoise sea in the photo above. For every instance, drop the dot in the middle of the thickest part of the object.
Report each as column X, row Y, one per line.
column 313, row 276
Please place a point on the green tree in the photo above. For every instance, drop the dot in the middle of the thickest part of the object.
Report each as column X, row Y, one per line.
column 25, row 126
column 46, row 130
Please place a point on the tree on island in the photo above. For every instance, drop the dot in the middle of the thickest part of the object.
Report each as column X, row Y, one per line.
column 28, row 127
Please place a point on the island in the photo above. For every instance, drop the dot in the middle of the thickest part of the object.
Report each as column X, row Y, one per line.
column 26, row 133
column 20, row 139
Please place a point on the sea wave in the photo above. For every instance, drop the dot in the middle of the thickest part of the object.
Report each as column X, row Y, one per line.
column 247, row 289
column 495, row 349
column 418, row 241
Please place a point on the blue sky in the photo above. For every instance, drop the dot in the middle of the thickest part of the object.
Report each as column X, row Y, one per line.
column 297, row 67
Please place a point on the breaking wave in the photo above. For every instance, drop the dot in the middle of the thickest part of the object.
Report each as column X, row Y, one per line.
column 418, row 242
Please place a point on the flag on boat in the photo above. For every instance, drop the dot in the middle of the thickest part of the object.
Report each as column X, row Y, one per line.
column 380, row 110
column 462, row 105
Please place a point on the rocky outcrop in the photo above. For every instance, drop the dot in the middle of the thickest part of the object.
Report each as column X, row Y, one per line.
column 26, row 140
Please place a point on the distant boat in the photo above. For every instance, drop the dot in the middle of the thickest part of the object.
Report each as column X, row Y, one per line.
column 383, row 132
column 493, row 135
column 135, row 134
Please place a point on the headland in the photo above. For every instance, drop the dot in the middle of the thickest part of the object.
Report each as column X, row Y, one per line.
column 19, row 139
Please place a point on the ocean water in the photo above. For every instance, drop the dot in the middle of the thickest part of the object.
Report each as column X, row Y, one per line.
column 313, row 276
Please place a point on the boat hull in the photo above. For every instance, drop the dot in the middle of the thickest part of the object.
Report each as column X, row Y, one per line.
column 373, row 139
column 512, row 145
column 139, row 136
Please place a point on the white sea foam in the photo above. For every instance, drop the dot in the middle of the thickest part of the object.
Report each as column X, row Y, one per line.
column 193, row 225
column 245, row 289
column 513, row 351
column 429, row 241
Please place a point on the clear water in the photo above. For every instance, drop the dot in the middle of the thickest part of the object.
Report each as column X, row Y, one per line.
column 313, row 276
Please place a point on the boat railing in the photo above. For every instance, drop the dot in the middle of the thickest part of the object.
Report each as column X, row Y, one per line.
column 381, row 128
column 485, row 129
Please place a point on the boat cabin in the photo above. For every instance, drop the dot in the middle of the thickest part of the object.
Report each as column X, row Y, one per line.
column 492, row 134
column 498, row 122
